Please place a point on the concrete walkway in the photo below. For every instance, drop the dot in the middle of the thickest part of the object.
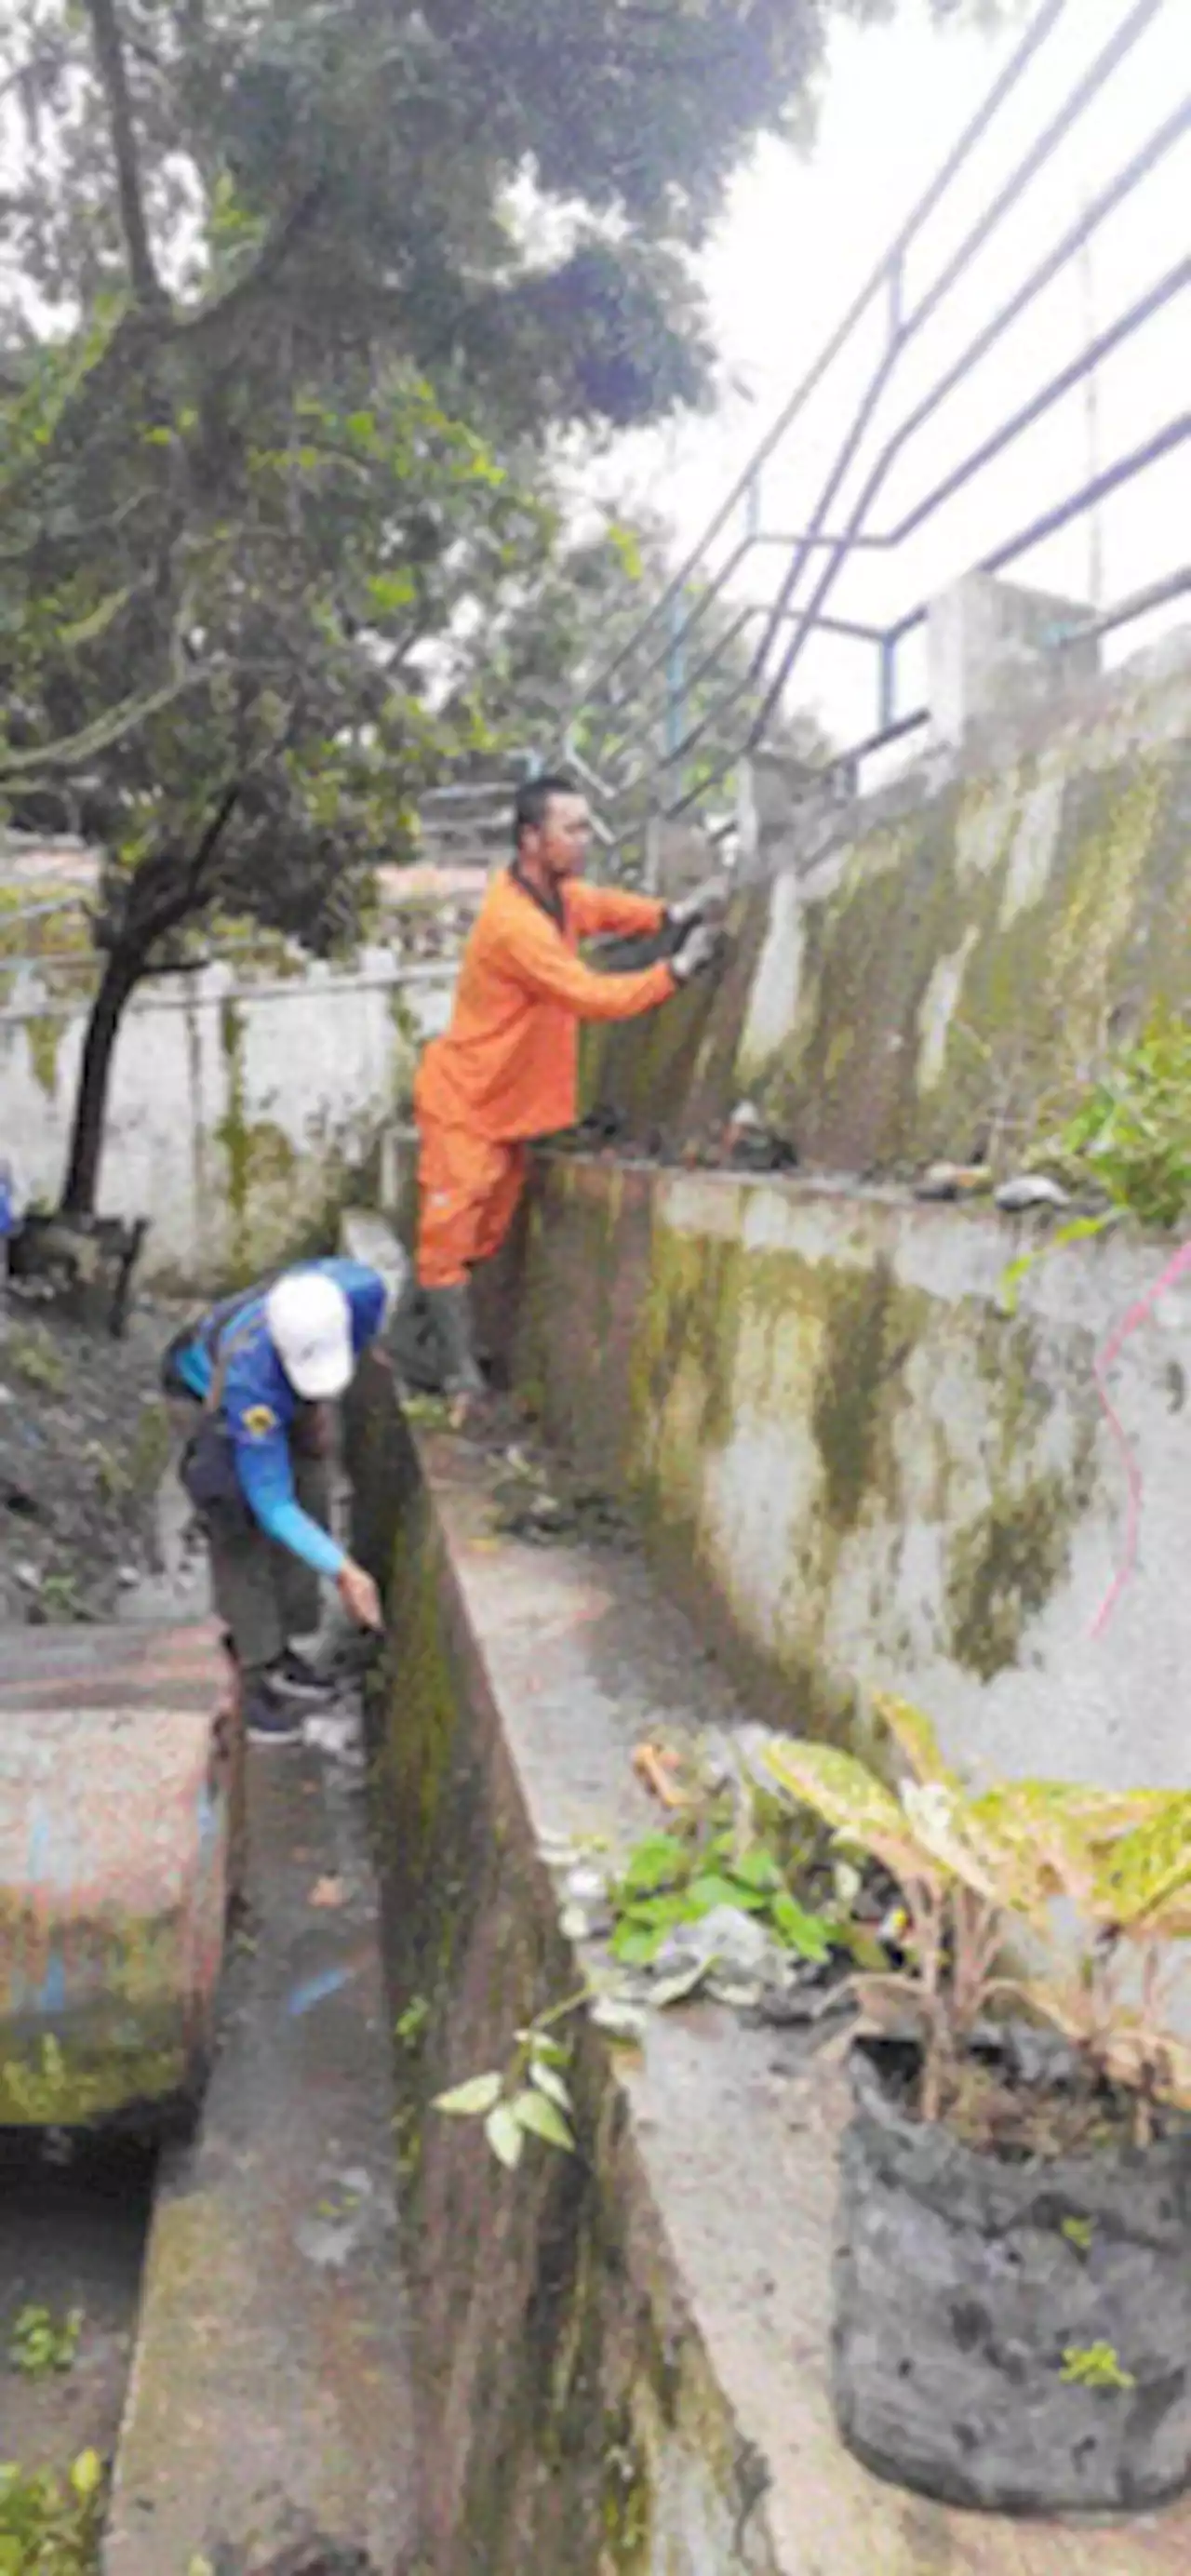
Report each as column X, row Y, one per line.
column 269, row 2399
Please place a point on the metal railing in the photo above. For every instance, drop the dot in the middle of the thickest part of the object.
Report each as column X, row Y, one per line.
column 708, row 673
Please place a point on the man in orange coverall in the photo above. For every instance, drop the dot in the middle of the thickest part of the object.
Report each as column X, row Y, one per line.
column 506, row 1070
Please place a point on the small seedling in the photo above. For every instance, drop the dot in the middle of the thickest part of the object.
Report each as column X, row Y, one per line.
column 41, row 2344
column 1094, row 2365
column 529, row 2098
column 50, row 2524
column 410, row 2026
column 1079, row 2232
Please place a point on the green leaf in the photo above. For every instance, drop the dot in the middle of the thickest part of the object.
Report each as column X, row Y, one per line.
column 659, row 1861
column 808, row 1934
column 467, row 2101
column 705, row 1894
column 505, row 2135
column 757, row 1870
column 634, row 1946
column 543, row 2119
column 1081, row 1229
column 551, row 2083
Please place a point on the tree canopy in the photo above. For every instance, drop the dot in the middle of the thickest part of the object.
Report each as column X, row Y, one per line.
column 296, row 299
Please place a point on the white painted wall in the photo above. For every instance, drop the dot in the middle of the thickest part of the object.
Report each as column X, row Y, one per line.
column 317, row 1060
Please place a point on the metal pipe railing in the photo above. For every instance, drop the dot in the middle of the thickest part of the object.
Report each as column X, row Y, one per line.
column 650, row 707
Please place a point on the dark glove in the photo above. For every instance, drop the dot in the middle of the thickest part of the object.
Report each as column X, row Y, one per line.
column 709, row 902
column 700, row 951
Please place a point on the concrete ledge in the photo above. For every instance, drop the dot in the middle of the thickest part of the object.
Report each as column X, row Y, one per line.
column 621, row 2358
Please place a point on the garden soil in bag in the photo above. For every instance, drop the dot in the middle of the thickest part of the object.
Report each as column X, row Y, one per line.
column 973, row 2293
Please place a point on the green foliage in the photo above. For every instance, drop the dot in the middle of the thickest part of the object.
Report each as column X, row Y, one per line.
column 1129, row 1140
column 50, row 2526
column 33, row 1355
column 529, row 2098
column 42, row 2344
column 670, row 1880
column 1094, row 2365
column 980, row 1872
column 1131, row 1137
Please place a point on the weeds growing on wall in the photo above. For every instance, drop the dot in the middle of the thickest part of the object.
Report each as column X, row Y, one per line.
column 49, row 2526
column 1130, row 1141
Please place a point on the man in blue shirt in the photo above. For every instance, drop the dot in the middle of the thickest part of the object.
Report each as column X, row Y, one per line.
column 265, row 1367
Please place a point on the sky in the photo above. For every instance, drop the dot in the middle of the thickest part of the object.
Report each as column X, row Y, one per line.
column 799, row 238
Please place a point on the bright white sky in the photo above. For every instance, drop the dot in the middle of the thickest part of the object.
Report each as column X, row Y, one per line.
column 801, row 237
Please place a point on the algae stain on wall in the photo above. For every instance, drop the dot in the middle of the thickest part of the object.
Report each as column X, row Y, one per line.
column 43, row 1037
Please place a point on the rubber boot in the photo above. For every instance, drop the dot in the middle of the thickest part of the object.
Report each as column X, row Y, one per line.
column 415, row 1342
column 461, row 1371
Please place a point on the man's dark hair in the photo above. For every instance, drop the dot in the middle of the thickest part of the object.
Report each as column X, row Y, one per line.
column 533, row 799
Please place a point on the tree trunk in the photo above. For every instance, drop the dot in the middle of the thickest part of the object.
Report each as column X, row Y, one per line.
column 121, row 975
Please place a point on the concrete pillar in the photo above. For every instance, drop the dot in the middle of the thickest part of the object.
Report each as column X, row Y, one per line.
column 997, row 651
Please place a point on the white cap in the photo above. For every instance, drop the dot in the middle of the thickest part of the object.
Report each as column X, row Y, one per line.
column 309, row 1320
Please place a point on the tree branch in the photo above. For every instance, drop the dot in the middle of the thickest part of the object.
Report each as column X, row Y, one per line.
column 24, row 768
column 109, row 55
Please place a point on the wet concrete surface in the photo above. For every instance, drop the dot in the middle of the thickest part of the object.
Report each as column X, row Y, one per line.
column 270, row 2394
column 72, row 2235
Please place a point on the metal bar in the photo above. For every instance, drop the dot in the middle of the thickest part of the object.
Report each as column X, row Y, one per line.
column 1063, row 383
column 1040, row 277
column 708, row 593
column 1112, row 54
column 886, row 679
column 1142, row 603
column 1007, row 81
column 978, row 235
column 1163, row 444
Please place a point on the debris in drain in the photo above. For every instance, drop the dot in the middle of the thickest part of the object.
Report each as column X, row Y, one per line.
column 1030, row 1190
column 954, row 1181
column 548, row 1506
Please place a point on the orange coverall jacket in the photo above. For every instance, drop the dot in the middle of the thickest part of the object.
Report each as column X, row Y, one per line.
column 507, row 1067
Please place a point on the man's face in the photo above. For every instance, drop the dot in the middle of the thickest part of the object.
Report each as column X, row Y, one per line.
column 560, row 845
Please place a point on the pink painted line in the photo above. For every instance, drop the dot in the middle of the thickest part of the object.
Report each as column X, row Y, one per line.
column 1105, row 1360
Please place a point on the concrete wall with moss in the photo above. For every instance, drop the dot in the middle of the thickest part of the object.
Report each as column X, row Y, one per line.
column 936, row 971
column 572, row 2422
column 855, row 1469
column 244, row 1101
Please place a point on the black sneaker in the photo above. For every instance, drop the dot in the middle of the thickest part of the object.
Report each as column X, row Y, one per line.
column 291, row 1677
column 268, row 1720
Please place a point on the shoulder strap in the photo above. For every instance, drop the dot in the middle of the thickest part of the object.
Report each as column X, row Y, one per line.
column 224, row 1356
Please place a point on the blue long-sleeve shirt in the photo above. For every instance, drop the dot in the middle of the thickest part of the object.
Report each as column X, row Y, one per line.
column 258, row 1404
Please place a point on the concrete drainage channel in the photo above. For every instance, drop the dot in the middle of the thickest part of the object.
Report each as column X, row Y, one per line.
column 241, row 2346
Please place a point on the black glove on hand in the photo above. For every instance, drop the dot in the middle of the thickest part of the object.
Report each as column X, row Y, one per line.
column 709, row 902
column 701, row 949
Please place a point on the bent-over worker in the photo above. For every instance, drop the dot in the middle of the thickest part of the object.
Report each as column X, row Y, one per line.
column 261, row 1371
column 506, row 1070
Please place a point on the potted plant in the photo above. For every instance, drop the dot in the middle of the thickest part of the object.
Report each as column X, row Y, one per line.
column 1012, row 2324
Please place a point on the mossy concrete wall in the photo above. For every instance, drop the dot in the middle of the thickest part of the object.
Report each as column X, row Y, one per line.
column 936, row 971
column 571, row 2420
column 855, row 1469
column 243, row 1103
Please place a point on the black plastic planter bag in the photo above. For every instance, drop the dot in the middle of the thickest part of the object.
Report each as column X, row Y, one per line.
column 971, row 2290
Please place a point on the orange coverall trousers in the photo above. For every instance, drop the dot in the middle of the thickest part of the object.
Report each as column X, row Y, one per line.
column 468, row 1192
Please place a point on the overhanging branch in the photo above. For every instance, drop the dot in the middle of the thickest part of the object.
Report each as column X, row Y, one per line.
column 109, row 56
